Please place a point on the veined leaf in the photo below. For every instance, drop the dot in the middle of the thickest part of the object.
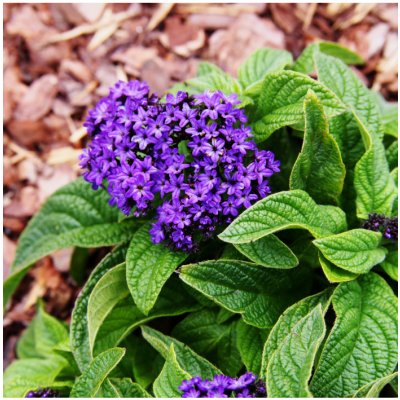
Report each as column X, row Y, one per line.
column 122, row 388
column 88, row 384
column 262, row 62
column 333, row 273
column 75, row 215
column 284, row 210
column 258, row 293
column 205, row 68
column 269, row 252
column 391, row 263
column 148, row 266
column 171, row 376
column 319, row 169
column 372, row 389
column 287, row 321
column 356, row 251
column 79, row 322
column 389, row 115
column 290, row 366
column 392, row 155
column 109, row 290
column 215, row 81
column 126, row 316
column 281, row 101
column 250, row 342
column 189, row 361
column 362, row 345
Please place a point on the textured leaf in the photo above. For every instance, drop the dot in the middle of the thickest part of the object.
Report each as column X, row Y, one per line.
column 290, row 366
column 79, row 322
column 191, row 362
column 258, row 293
column 215, row 81
column 287, row 321
column 362, row 345
column 88, row 384
column 319, row 169
column 372, row 389
column 250, row 342
column 262, row 62
column 75, row 215
column 389, row 115
column 171, row 376
column 284, row 210
column 374, row 185
column 126, row 316
column 392, row 155
column 148, row 266
column 205, row 68
column 269, row 252
column 356, row 251
column 391, row 263
column 281, row 101
column 335, row 274
column 125, row 388
column 109, row 290
column 212, row 340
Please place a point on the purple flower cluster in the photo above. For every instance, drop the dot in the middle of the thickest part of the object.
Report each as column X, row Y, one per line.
column 380, row 223
column 47, row 392
column 224, row 386
column 189, row 158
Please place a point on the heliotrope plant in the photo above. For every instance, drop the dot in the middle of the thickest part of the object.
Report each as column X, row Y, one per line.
column 253, row 226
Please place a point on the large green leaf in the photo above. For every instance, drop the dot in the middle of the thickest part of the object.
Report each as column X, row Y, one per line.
column 109, row 290
column 333, row 273
column 75, row 215
column 88, row 384
column 148, row 266
column 391, row 263
column 362, row 345
column 258, row 293
column 372, row 389
column 356, row 251
column 392, row 154
column 281, row 101
column 319, row 169
column 250, row 342
column 287, row 321
column 290, row 366
column 262, row 62
column 269, row 252
column 190, row 361
column 389, row 115
column 284, row 210
column 212, row 340
column 126, row 316
column 171, row 376
column 79, row 322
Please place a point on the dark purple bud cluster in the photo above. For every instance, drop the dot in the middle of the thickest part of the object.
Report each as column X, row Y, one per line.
column 222, row 386
column 46, row 392
column 190, row 158
column 379, row 223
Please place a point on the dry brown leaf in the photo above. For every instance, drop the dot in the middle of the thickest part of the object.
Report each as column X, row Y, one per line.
column 334, row 9
column 159, row 15
column 376, row 38
column 359, row 13
column 210, row 21
column 77, row 69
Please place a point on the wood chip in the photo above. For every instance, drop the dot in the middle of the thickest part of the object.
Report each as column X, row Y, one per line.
column 160, row 14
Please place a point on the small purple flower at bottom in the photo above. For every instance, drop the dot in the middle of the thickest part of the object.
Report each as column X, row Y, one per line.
column 46, row 392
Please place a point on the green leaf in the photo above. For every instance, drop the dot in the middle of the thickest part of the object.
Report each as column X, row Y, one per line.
column 262, row 62
column 22, row 376
column 319, row 169
column 258, row 293
column 215, row 81
column 345, row 84
column 392, row 155
column 79, row 322
column 374, row 185
column 88, row 384
column 191, row 362
column 212, row 340
column 205, row 68
column 362, row 345
column 284, row 210
column 109, row 290
column 391, row 263
column 287, row 321
column 281, row 101
column 75, row 215
column 389, row 115
column 250, row 342
column 290, row 366
column 372, row 389
column 356, row 251
column 333, row 273
column 171, row 376
column 126, row 316
column 148, row 266
column 125, row 388
column 269, row 252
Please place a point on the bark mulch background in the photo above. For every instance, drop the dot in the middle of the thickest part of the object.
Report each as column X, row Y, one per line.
column 59, row 59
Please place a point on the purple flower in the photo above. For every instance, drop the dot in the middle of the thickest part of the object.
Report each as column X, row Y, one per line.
column 379, row 223
column 44, row 393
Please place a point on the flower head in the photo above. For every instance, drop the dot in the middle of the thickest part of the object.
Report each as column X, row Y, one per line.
column 379, row 223
column 46, row 392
